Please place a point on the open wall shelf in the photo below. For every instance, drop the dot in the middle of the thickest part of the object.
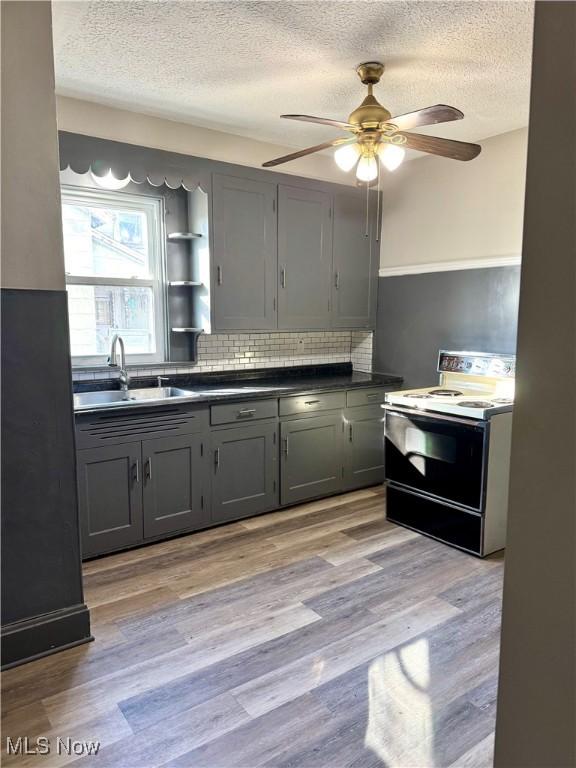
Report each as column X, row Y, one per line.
column 187, row 267
column 184, row 236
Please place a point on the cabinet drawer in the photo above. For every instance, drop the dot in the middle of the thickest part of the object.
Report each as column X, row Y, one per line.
column 328, row 401
column 246, row 411
column 370, row 396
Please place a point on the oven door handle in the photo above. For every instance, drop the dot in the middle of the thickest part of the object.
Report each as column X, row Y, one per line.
column 405, row 413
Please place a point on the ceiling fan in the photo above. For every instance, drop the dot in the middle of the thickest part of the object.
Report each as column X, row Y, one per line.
column 378, row 135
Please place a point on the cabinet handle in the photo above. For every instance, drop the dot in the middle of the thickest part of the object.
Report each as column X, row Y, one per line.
column 283, row 277
column 285, row 446
column 374, row 396
column 136, row 471
column 247, row 412
column 219, row 274
column 337, row 280
column 148, row 470
column 311, row 402
column 350, row 432
column 217, row 457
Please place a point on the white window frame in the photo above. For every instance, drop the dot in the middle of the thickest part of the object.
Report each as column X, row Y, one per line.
column 154, row 208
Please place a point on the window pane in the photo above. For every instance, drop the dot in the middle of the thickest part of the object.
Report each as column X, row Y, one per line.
column 105, row 241
column 97, row 312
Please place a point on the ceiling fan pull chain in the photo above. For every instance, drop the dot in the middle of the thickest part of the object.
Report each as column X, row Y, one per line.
column 367, row 207
column 378, row 206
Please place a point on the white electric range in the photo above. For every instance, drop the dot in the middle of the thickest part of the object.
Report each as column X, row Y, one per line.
column 447, row 452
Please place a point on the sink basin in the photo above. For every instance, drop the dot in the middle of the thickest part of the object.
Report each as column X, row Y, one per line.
column 113, row 397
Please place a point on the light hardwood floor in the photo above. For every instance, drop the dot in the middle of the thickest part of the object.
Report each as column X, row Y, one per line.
column 320, row 635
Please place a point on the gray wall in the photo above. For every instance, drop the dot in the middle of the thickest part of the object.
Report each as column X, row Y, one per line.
column 42, row 600
column 473, row 309
column 536, row 715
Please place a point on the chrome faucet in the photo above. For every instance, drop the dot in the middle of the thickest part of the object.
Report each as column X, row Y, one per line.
column 112, row 362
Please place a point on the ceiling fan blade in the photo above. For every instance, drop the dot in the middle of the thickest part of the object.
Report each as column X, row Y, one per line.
column 308, row 151
column 322, row 121
column 456, row 150
column 439, row 113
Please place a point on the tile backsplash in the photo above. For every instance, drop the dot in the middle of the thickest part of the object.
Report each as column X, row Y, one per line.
column 240, row 351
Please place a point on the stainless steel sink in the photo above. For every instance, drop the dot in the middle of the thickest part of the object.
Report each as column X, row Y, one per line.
column 113, row 397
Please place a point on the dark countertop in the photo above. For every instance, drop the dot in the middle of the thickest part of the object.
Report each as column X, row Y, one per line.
column 249, row 385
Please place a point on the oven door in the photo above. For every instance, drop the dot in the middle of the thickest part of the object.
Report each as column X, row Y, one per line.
column 439, row 456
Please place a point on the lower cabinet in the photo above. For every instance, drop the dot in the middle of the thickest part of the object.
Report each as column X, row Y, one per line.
column 244, row 471
column 174, row 496
column 311, row 463
column 110, row 497
column 134, row 487
column 363, row 447
column 140, row 490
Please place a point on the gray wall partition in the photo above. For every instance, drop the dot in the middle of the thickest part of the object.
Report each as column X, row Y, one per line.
column 536, row 714
column 474, row 309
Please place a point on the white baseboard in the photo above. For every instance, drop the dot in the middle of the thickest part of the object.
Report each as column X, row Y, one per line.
column 450, row 266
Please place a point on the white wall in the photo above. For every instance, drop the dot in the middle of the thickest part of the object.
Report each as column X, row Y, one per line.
column 93, row 119
column 32, row 254
column 440, row 210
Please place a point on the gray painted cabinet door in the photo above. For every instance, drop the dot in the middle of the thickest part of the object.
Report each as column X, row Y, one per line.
column 244, row 471
column 364, row 448
column 311, row 463
column 173, row 478
column 304, row 258
column 110, row 497
column 245, row 263
column 356, row 261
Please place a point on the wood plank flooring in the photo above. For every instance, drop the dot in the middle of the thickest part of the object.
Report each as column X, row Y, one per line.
column 320, row 635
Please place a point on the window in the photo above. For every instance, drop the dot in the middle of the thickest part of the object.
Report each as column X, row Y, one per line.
column 113, row 258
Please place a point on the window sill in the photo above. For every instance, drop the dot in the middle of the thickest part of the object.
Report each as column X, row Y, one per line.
column 129, row 367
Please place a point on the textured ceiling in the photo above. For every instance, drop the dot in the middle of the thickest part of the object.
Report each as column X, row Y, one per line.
column 236, row 66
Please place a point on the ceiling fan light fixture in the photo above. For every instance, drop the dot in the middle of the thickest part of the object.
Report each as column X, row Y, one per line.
column 367, row 169
column 347, row 156
column 391, row 156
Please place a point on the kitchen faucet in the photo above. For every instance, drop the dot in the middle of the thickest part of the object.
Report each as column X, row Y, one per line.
column 112, row 362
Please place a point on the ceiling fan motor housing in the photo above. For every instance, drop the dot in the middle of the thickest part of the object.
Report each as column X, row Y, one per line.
column 370, row 114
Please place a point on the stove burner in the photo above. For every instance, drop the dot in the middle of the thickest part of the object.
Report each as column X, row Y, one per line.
column 446, row 392
column 423, row 396
column 503, row 400
column 475, row 404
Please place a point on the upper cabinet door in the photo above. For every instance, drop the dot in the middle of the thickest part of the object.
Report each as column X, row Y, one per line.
column 356, row 261
column 245, row 264
column 304, row 258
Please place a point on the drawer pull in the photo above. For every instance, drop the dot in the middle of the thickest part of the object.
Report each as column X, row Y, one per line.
column 376, row 396
column 247, row 412
column 311, row 402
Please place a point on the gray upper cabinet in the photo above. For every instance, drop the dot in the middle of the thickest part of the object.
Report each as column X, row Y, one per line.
column 173, row 477
column 110, row 497
column 356, row 261
column 304, row 258
column 244, row 263
column 245, row 471
column 311, row 458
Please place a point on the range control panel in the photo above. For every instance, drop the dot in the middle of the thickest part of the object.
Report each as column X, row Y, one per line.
column 477, row 364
